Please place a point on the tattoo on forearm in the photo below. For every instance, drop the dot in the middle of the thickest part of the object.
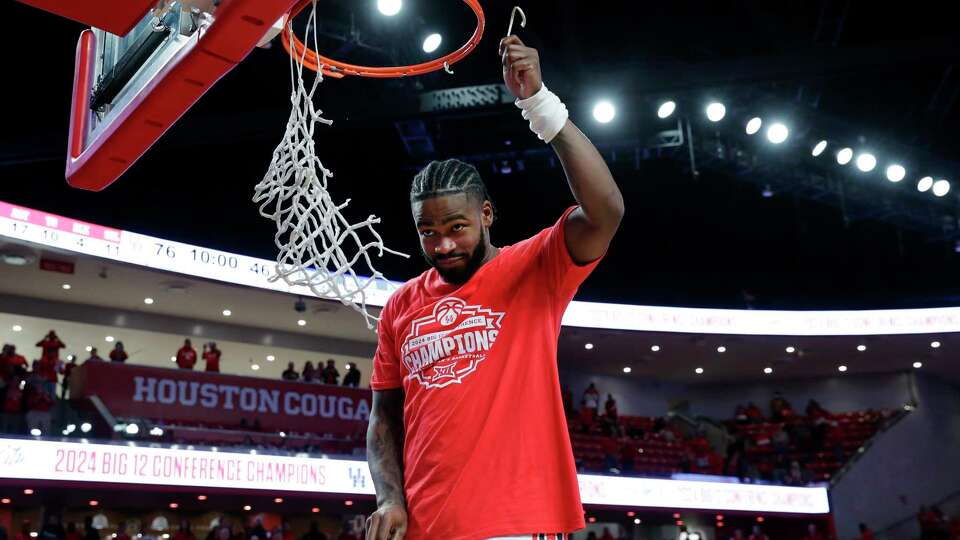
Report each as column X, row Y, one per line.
column 385, row 457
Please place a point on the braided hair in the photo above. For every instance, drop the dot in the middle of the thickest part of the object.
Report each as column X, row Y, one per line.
column 449, row 177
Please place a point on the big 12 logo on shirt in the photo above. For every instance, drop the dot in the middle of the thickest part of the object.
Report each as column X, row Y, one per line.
column 448, row 344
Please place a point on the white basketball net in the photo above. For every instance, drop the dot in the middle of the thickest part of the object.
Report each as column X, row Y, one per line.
column 318, row 246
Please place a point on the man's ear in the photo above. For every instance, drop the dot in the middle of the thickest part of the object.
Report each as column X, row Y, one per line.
column 486, row 213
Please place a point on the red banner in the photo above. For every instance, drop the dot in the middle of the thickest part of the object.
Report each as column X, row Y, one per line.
column 175, row 395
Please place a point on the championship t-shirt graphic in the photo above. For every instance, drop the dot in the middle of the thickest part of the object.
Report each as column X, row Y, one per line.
column 448, row 344
column 486, row 449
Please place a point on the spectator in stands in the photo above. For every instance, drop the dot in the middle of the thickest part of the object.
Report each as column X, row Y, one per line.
column 186, row 356
column 330, row 375
column 592, row 397
column 758, row 534
column 314, row 533
column 309, row 373
column 780, row 408
column 352, row 378
column 798, row 475
column 628, row 455
column 121, row 532
column 290, row 374
column 586, row 416
column 89, row 533
column 72, row 532
column 346, row 532
column 24, row 533
column 606, row 534
column 257, row 530
column 38, row 400
column 52, row 528
column 211, row 357
column 812, row 533
column 118, row 354
column 754, row 413
column 67, row 372
column 781, row 441
column 611, row 454
column 12, row 366
column 610, row 407
column 567, row 395
column 94, row 356
column 184, row 532
column 814, row 410
column 865, row 532
column 740, row 415
column 50, row 346
column 738, row 535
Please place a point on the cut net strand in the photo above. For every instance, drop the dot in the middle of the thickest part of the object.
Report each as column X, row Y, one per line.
column 318, row 246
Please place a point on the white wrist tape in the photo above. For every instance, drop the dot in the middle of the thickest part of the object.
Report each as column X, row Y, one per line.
column 546, row 113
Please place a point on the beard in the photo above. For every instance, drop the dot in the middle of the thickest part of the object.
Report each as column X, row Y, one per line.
column 459, row 276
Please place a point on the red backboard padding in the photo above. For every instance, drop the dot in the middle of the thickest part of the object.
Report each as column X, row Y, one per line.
column 238, row 26
column 114, row 16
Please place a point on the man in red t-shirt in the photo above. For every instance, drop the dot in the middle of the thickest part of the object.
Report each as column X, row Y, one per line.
column 186, row 356
column 211, row 356
column 467, row 437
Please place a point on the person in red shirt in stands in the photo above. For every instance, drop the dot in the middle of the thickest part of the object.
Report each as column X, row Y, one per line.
column 309, row 373
column 11, row 363
column 67, row 371
column 186, row 356
column 121, row 532
column 865, row 532
column 754, row 413
column 118, row 354
column 211, row 357
column 72, row 532
column 330, row 375
column 184, row 532
column 51, row 345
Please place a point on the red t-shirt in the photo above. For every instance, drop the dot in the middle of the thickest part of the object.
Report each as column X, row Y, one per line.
column 118, row 356
column 186, row 357
column 212, row 358
column 48, row 368
column 487, row 452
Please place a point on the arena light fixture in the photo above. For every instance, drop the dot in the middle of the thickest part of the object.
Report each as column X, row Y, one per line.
column 174, row 505
column 721, row 349
column 86, row 427
column 588, row 346
column 5, row 500
column 935, row 344
column 173, row 358
column 66, row 286
column 227, row 313
column 301, row 322
column 109, row 339
column 389, row 7
column 278, row 500
column 132, row 429
column 655, row 348
column 844, row 156
column 604, row 112
column 17, row 328
column 28, row 491
column 255, row 367
column 93, row 502
column 627, row 369
column 777, row 133
column 698, row 371
column 819, row 148
column 842, row 369
column 768, row 370
column 636, row 521
column 156, row 431
column 348, row 502
column 791, row 350
column 89, row 348
column 753, row 125
column 866, row 162
column 315, row 510
column 861, row 347
column 201, row 497
column 148, row 300
column 432, row 43
column 924, row 184
column 896, row 172
column 917, row 365
column 941, row 188
column 271, row 358
column 247, row 507
column 716, row 111
column 36, row 432
column 666, row 109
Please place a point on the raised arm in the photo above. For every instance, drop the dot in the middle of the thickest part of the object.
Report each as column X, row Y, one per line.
column 589, row 229
column 385, row 435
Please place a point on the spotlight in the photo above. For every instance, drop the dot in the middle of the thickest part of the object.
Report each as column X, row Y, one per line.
column 148, row 300
column 389, row 7
column 86, row 427
column 896, row 173
column 66, row 286
column 246, row 507
column 627, row 369
column 716, row 111
column 201, row 497
column 925, row 184
column 866, row 162
column 844, row 156
column 174, row 505
column 89, row 348
column 941, row 188
column 767, row 192
column 432, row 43
column 777, row 133
column 301, row 322
column 588, row 346
column 156, row 431
column 604, row 111
column 791, row 350
column 699, row 371
column 768, row 370
column 655, row 348
column 819, row 148
column 17, row 328
column 753, row 125
column 132, row 429
column 35, row 432
column 271, row 358
column 917, row 365
column 842, row 369
column 935, row 344
column 636, row 521
column 861, row 348
column 108, row 339
column 721, row 349
column 255, row 367
column 666, row 109
column 227, row 313
column 278, row 500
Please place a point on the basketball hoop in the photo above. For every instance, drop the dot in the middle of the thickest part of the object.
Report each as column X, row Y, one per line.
column 336, row 69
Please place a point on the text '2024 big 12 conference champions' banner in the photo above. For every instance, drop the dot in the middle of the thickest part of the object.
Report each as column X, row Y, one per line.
column 175, row 395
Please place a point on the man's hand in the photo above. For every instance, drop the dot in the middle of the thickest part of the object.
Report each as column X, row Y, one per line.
column 521, row 67
column 389, row 522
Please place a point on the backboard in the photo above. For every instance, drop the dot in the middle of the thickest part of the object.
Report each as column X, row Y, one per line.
column 129, row 89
